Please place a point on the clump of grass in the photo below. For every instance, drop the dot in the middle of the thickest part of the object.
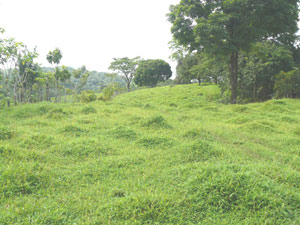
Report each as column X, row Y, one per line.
column 22, row 179
column 5, row 133
column 88, row 110
column 42, row 141
column 259, row 126
column 73, row 130
column 239, row 120
column 118, row 193
column 5, row 150
column 288, row 119
column 199, row 151
column 156, row 122
column 224, row 188
column 124, row 133
column 198, row 134
column 83, row 148
column 43, row 109
column 148, row 106
column 240, row 109
column 155, row 142
column 173, row 105
column 297, row 132
column 56, row 114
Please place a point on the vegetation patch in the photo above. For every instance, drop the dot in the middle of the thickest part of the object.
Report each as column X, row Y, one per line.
column 124, row 133
column 240, row 109
column 43, row 141
column 56, row 114
column 5, row 133
column 148, row 106
column 239, row 120
column 84, row 148
column 156, row 122
column 288, row 119
column 22, row 179
column 199, row 151
column 198, row 134
column 73, row 130
column 88, row 110
column 155, row 142
column 173, row 105
column 259, row 126
column 223, row 189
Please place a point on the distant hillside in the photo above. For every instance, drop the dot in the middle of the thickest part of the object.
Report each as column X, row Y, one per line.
column 168, row 155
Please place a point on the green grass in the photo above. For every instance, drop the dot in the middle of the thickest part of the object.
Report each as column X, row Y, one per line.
column 169, row 155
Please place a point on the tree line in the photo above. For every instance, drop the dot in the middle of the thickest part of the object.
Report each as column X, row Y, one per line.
column 23, row 80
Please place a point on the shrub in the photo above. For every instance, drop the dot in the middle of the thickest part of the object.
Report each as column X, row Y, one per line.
column 110, row 91
column 87, row 96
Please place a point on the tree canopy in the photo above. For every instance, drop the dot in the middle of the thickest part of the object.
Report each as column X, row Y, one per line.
column 152, row 71
column 230, row 26
column 126, row 68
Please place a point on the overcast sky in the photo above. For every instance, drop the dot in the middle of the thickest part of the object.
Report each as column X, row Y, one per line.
column 90, row 32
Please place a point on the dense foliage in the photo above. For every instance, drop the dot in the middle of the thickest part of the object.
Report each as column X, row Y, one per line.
column 152, row 71
column 229, row 28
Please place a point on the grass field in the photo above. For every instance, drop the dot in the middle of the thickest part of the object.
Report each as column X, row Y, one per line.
column 170, row 155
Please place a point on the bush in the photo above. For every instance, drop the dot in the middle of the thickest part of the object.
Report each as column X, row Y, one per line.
column 109, row 92
column 87, row 96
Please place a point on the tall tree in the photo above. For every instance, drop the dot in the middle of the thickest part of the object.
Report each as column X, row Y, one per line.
column 54, row 57
column 230, row 26
column 152, row 71
column 126, row 68
column 81, row 75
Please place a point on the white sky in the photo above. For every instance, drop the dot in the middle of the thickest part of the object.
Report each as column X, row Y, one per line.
column 90, row 32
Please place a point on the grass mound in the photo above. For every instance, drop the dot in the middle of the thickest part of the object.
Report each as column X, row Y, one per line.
column 56, row 114
column 156, row 122
column 88, row 110
column 124, row 133
column 155, row 142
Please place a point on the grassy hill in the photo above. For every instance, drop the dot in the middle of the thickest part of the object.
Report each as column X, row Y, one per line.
column 169, row 155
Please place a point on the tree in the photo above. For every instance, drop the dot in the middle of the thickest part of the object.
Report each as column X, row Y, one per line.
column 54, row 57
column 82, row 76
column 126, row 68
column 227, row 27
column 61, row 74
column 259, row 67
column 287, row 84
column 152, row 71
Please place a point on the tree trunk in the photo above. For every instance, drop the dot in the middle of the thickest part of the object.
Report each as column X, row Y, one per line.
column 57, row 91
column 128, row 87
column 47, row 92
column 234, row 75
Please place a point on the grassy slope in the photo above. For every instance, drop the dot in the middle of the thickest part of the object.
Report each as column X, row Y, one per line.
column 168, row 155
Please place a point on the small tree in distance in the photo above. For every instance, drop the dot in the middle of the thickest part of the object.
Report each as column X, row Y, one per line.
column 152, row 71
column 125, row 67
